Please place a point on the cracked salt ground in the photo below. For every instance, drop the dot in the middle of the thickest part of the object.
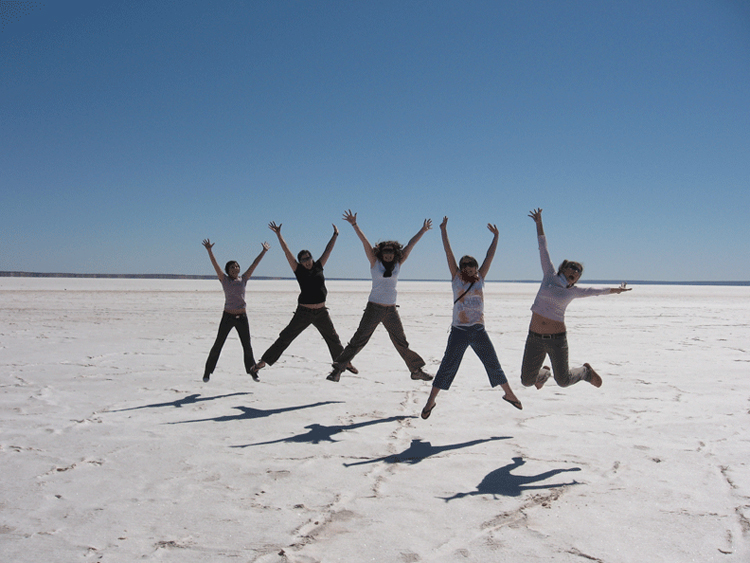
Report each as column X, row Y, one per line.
column 112, row 449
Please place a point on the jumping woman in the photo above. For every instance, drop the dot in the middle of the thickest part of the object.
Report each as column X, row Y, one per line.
column 235, row 315
column 311, row 303
column 385, row 264
column 468, row 322
column 547, row 332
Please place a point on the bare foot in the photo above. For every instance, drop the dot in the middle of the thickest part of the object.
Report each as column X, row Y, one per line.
column 593, row 378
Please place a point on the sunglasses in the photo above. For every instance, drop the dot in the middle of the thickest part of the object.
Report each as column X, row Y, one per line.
column 576, row 269
column 388, row 251
column 306, row 259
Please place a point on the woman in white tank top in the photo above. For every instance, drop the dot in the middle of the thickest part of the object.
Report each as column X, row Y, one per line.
column 385, row 264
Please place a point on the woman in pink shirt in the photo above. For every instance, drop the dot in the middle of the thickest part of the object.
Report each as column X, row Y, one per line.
column 547, row 332
column 235, row 315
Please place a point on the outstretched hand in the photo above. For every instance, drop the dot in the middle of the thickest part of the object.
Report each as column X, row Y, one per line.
column 274, row 227
column 350, row 217
column 536, row 215
column 266, row 246
column 493, row 229
column 208, row 244
column 620, row 289
column 444, row 224
column 335, row 229
column 427, row 225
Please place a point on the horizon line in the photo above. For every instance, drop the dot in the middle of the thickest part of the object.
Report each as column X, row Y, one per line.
column 15, row 274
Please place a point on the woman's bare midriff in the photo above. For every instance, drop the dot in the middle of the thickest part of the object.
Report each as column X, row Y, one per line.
column 543, row 325
column 235, row 311
column 313, row 306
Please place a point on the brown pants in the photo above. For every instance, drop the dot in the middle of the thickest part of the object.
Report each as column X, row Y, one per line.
column 374, row 315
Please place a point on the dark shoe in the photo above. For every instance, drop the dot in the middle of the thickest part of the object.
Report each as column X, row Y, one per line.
column 335, row 375
column 427, row 412
column 254, row 372
column 206, row 377
column 419, row 374
column 592, row 376
column 351, row 368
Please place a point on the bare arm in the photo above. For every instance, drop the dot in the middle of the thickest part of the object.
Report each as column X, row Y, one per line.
column 485, row 267
column 426, row 226
column 452, row 266
column 255, row 263
column 351, row 218
column 536, row 215
column 329, row 246
column 209, row 245
column 289, row 256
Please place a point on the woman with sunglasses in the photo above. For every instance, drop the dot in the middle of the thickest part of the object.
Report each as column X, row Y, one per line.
column 235, row 315
column 311, row 303
column 385, row 264
column 467, row 328
column 547, row 332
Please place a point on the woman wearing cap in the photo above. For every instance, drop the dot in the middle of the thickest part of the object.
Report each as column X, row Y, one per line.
column 235, row 315
column 385, row 264
column 311, row 303
column 467, row 328
column 547, row 332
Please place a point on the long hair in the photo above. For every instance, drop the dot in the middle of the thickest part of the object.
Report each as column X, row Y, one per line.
column 398, row 252
column 467, row 260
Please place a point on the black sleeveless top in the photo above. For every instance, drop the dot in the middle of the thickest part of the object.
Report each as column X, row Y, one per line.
column 312, row 284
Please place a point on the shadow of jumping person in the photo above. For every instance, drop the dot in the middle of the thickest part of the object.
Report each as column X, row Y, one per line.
column 250, row 413
column 320, row 433
column 419, row 450
column 193, row 399
column 502, row 482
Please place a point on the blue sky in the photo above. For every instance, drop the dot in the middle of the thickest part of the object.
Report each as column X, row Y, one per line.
column 130, row 131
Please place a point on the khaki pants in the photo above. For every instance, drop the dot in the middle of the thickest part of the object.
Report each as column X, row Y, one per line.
column 373, row 316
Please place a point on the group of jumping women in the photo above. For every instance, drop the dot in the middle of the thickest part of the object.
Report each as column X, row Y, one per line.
column 547, row 332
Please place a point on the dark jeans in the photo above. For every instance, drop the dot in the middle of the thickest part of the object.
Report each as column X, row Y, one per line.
column 228, row 322
column 373, row 316
column 556, row 346
column 460, row 339
column 303, row 318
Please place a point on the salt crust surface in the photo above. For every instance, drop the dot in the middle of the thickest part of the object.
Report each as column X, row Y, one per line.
column 112, row 449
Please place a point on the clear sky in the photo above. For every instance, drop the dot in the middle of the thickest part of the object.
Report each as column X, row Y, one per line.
column 130, row 131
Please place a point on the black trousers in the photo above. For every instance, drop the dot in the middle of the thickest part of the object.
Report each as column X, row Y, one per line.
column 228, row 322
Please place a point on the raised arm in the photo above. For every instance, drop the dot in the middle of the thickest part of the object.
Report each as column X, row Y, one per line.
column 209, row 245
column 452, row 266
column 351, row 218
column 485, row 267
column 289, row 256
column 257, row 260
column 426, row 226
column 329, row 246
column 536, row 215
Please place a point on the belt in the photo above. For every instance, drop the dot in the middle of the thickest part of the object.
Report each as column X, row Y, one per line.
column 548, row 336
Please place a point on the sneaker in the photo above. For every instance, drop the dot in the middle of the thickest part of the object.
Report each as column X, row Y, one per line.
column 419, row 374
column 592, row 377
column 206, row 377
column 544, row 375
column 254, row 372
column 335, row 375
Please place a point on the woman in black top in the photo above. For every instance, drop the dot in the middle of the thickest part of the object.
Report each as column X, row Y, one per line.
column 311, row 303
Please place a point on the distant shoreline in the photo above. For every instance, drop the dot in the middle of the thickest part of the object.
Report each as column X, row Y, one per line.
column 211, row 277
